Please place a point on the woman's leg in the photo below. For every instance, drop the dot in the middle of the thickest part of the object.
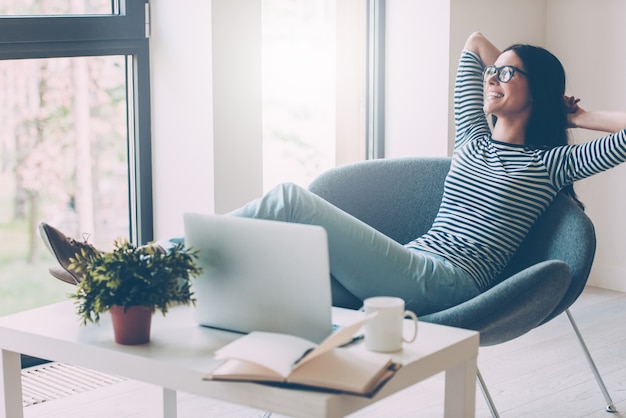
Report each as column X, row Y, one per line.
column 364, row 261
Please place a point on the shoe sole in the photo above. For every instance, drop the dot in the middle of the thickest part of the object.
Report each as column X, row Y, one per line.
column 69, row 278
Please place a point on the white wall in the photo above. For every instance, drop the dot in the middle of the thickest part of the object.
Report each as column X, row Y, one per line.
column 351, row 23
column 206, row 108
column 237, row 117
column 182, row 128
column 416, row 77
column 589, row 38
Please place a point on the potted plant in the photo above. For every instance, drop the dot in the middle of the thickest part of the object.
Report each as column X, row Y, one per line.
column 132, row 282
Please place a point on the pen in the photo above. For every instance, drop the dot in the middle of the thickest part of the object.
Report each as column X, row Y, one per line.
column 354, row 339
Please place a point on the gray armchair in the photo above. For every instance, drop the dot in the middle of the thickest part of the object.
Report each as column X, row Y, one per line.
column 400, row 197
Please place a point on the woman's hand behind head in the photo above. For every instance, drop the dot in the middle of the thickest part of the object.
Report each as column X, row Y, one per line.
column 573, row 111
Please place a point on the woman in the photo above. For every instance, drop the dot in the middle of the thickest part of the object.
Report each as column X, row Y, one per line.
column 500, row 181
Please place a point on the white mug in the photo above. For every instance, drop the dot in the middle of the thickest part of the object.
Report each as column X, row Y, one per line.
column 384, row 332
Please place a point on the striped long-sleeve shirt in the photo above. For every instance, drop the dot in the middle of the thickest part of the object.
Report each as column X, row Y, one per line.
column 495, row 191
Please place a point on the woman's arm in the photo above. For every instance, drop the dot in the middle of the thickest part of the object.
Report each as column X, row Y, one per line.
column 482, row 47
column 469, row 117
column 605, row 121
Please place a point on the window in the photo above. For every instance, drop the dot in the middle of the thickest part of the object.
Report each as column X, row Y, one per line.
column 298, row 90
column 58, row 7
column 75, row 144
column 322, row 86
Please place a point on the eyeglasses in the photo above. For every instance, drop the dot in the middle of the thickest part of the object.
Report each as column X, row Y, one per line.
column 504, row 73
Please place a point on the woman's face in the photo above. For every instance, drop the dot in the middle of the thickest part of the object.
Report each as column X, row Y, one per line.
column 511, row 99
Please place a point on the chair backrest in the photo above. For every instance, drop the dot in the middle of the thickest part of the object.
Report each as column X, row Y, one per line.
column 401, row 197
column 398, row 197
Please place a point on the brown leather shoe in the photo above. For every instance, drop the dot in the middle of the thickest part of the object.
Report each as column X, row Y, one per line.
column 62, row 274
column 64, row 248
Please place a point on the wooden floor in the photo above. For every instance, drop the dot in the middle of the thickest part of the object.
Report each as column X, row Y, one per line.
column 542, row 374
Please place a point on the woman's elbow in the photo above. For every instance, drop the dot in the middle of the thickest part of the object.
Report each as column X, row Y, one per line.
column 481, row 46
column 474, row 41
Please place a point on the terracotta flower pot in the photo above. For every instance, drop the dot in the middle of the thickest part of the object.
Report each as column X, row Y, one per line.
column 133, row 326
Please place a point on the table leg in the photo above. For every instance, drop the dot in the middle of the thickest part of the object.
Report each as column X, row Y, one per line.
column 460, row 398
column 11, row 385
column 169, row 403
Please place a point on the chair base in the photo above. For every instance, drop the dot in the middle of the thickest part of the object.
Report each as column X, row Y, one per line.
column 486, row 395
column 610, row 407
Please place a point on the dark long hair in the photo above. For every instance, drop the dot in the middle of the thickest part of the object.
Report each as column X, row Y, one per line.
column 547, row 125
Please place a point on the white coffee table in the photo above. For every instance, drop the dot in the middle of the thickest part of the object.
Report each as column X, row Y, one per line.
column 181, row 352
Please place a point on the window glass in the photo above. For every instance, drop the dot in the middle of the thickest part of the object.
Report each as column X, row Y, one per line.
column 298, row 90
column 64, row 160
column 57, row 7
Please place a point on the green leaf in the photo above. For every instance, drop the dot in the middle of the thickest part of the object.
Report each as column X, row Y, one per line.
column 131, row 276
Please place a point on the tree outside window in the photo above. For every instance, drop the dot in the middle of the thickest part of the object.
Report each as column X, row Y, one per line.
column 66, row 145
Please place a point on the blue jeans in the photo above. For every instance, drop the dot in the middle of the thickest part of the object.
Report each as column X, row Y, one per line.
column 363, row 261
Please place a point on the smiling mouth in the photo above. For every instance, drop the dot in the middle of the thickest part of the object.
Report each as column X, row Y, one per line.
column 495, row 95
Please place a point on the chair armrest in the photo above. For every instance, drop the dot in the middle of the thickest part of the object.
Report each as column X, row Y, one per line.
column 513, row 307
column 564, row 232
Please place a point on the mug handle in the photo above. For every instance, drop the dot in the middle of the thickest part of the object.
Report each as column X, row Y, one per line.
column 414, row 318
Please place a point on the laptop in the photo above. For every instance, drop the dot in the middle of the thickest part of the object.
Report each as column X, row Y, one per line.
column 261, row 275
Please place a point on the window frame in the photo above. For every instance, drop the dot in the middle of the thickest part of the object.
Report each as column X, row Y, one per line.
column 127, row 34
column 375, row 80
